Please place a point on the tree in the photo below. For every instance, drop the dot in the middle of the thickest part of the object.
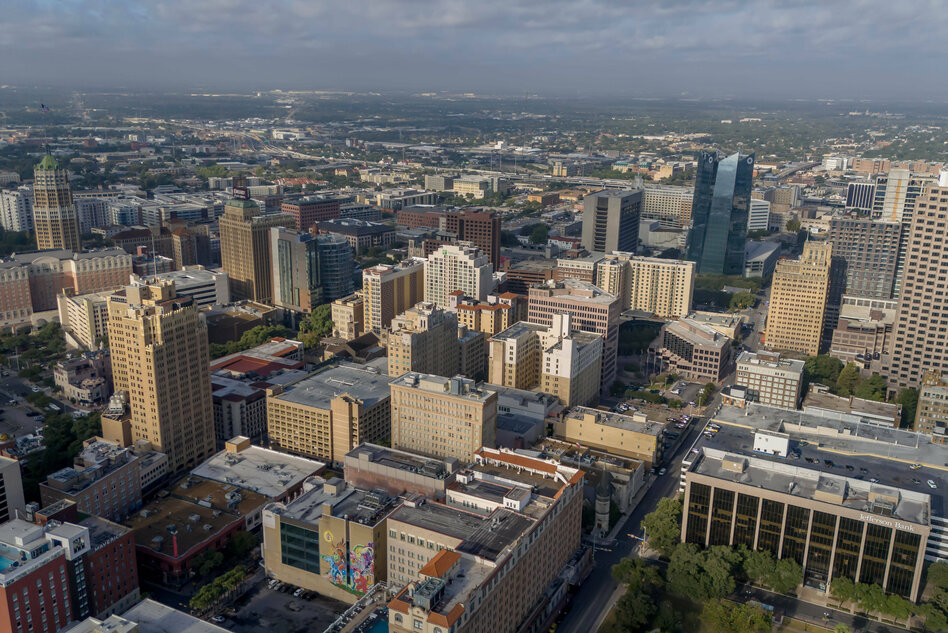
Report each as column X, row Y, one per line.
column 898, row 607
column 841, row 628
column 908, row 398
column 785, row 576
column 938, row 575
column 702, row 574
column 843, row 589
column 317, row 326
column 637, row 574
column 758, row 234
column 872, row 388
column 758, row 565
column 207, row 561
column 742, row 301
column 723, row 616
column 848, row 380
column 793, row 225
column 540, row 234
column 663, row 526
column 616, row 389
column 823, row 369
column 242, row 543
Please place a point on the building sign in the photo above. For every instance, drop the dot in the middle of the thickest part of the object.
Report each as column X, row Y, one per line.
column 871, row 518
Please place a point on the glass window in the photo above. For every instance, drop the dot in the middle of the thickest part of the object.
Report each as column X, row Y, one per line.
column 905, row 551
column 745, row 520
column 721, row 512
column 699, row 502
column 875, row 552
column 794, row 533
column 771, row 522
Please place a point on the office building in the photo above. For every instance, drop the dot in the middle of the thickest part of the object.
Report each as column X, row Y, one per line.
column 635, row 436
column 423, row 339
column 426, row 216
column 611, row 220
column 207, row 287
column 720, row 212
column 918, row 341
column 663, row 287
column 309, row 270
column 54, row 215
column 395, row 199
column 760, row 259
column 84, row 319
column 159, row 349
column 864, row 331
column 457, row 267
column 246, row 248
column 439, row 182
column 497, row 314
column 390, row 290
column 529, row 272
column 581, row 268
column 868, row 252
column 932, row 409
column 671, row 206
column 328, row 413
column 798, row 299
column 399, row 473
column 556, row 360
column 348, row 317
column 590, row 310
column 16, row 209
column 309, row 210
column 770, row 379
column 758, row 215
column 727, row 324
column 361, row 235
column 11, row 489
column 442, row 417
column 692, row 349
column 480, row 228
column 859, row 196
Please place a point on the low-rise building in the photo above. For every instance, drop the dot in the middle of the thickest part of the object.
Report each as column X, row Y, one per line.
column 522, row 415
column 864, row 331
column 207, row 287
column 147, row 616
column 86, row 380
column 693, row 350
column 851, row 409
column 634, row 436
column 770, row 379
column 521, row 276
column 932, row 416
column 760, row 259
column 498, row 313
column 84, row 319
column 370, row 466
column 361, row 234
column 348, row 317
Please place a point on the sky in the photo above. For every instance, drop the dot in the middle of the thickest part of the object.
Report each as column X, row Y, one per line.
column 859, row 49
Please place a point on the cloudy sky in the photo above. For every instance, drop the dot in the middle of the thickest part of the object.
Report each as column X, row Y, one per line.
column 877, row 49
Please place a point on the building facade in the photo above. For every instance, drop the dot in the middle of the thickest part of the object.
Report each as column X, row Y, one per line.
column 868, row 252
column 798, row 299
column 611, row 221
column 457, row 267
column 481, row 228
column 348, row 317
column 690, row 348
column 423, row 339
column 663, row 287
column 671, row 206
column 309, row 210
column 389, row 290
column 246, row 248
column 309, row 270
column 932, row 411
column 770, row 379
column 54, row 215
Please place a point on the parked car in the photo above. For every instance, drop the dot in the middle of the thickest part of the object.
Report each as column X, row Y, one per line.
column 931, row 484
column 217, row 619
column 662, row 471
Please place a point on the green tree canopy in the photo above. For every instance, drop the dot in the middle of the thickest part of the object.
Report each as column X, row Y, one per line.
column 540, row 234
column 663, row 526
column 872, row 388
column 742, row 301
column 823, row 369
column 703, row 574
column 724, row 616
column 317, row 327
column 908, row 398
column 848, row 380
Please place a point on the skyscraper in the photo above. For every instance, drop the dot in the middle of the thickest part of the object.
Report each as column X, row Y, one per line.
column 54, row 216
column 611, row 220
column 867, row 250
column 719, row 213
column 390, row 290
column 423, row 339
column 798, row 300
column 245, row 248
column 309, row 270
column 457, row 267
column 159, row 349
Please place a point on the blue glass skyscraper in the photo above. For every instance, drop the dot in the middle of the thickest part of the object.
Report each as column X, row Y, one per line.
column 719, row 213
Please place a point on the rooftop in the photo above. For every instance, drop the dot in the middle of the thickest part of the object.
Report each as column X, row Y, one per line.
column 260, row 470
column 638, row 423
column 193, row 276
column 458, row 386
column 575, row 289
column 772, row 360
column 697, row 333
column 402, row 460
column 364, row 382
column 336, row 498
column 354, row 226
column 851, row 405
column 101, row 531
column 153, row 617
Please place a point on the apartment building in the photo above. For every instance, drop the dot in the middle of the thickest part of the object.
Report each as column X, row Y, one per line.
column 309, row 270
column 423, row 339
column 663, row 287
column 389, row 290
column 246, row 248
column 54, row 215
column 868, row 250
column 497, row 314
column 328, row 413
column 16, row 209
column 461, row 267
column 442, row 417
column 770, row 379
column 798, row 300
column 84, row 319
column 480, row 228
column 348, row 317
column 693, row 350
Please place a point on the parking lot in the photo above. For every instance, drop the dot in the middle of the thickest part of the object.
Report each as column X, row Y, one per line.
column 263, row 609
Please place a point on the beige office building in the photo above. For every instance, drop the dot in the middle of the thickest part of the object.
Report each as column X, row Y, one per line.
column 554, row 359
column 84, row 318
column 327, row 414
column 632, row 436
column 348, row 317
column 245, row 248
column 663, row 287
column 460, row 266
column 423, row 339
column 54, row 215
column 442, row 417
column 798, row 298
column 159, row 350
column 591, row 310
column 770, row 379
column 671, row 206
column 932, row 416
column 388, row 291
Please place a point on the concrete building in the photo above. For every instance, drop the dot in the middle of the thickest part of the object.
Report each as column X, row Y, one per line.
column 439, row 182
column 770, row 379
column 495, row 557
column 477, row 186
column 330, row 412
column 864, row 331
column 105, row 481
column 634, row 436
column 158, row 344
column 389, row 290
column 671, row 206
column 348, row 317
column 729, row 325
column 932, row 416
column 309, row 210
column 590, row 309
column 86, row 379
column 109, row 567
column 147, row 616
column 472, row 353
column 399, row 473
column 760, row 259
column 207, row 287
column 395, row 199
column 581, row 268
column 798, row 299
column 611, row 220
column 423, row 339
column 457, row 267
column 819, row 401
column 309, row 270
column 361, row 235
column 663, row 287
column 11, row 489
column 557, row 360
column 496, row 315
column 687, row 347
column 84, row 319
column 426, row 216
column 54, row 215
column 16, row 209
column 868, row 252
column 246, row 248
column 442, row 417
column 521, row 276
column 481, row 228
column 758, row 215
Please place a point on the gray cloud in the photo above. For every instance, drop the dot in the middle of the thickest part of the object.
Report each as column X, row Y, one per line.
column 842, row 48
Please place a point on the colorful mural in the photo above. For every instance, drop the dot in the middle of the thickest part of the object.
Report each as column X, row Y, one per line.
column 362, row 566
column 336, row 559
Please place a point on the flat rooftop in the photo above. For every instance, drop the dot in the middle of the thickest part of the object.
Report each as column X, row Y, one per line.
column 402, row 460
column 364, row 382
column 851, row 405
column 184, row 279
column 439, row 518
column 102, row 532
column 259, row 470
column 457, row 386
column 618, row 420
column 153, row 617
column 576, row 290
column 361, row 506
column 698, row 333
column 518, row 329
column 772, row 360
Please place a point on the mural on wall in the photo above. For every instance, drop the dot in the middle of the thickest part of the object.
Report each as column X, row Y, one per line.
column 362, row 564
column 336, row 559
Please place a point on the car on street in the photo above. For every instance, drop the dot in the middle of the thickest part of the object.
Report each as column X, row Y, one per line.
column 661, row 472
column 915, row 466
column 217, row 619
column 931, row 484
column 916, row 480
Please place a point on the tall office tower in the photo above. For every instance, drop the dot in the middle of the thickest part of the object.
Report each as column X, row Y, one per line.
column 245, row 248
column 16, row 210
column 158, row 344
column 309, row 210
column 859, row 195
column 611, row 220
column 390, row 290
column 895, row 198
column 309, row 270
column 481, row 228
column 919, row 333
column 442, row 417
column 798, row 297
column 423, row 339
column 658, row 286
column 867, row 252
column 461, row 267
column 719, row 213
column 591, row 310
column 54, row 216
column 758, row 216
column 671, row 206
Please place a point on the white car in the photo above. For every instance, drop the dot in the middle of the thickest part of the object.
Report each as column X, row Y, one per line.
column 931, row 484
